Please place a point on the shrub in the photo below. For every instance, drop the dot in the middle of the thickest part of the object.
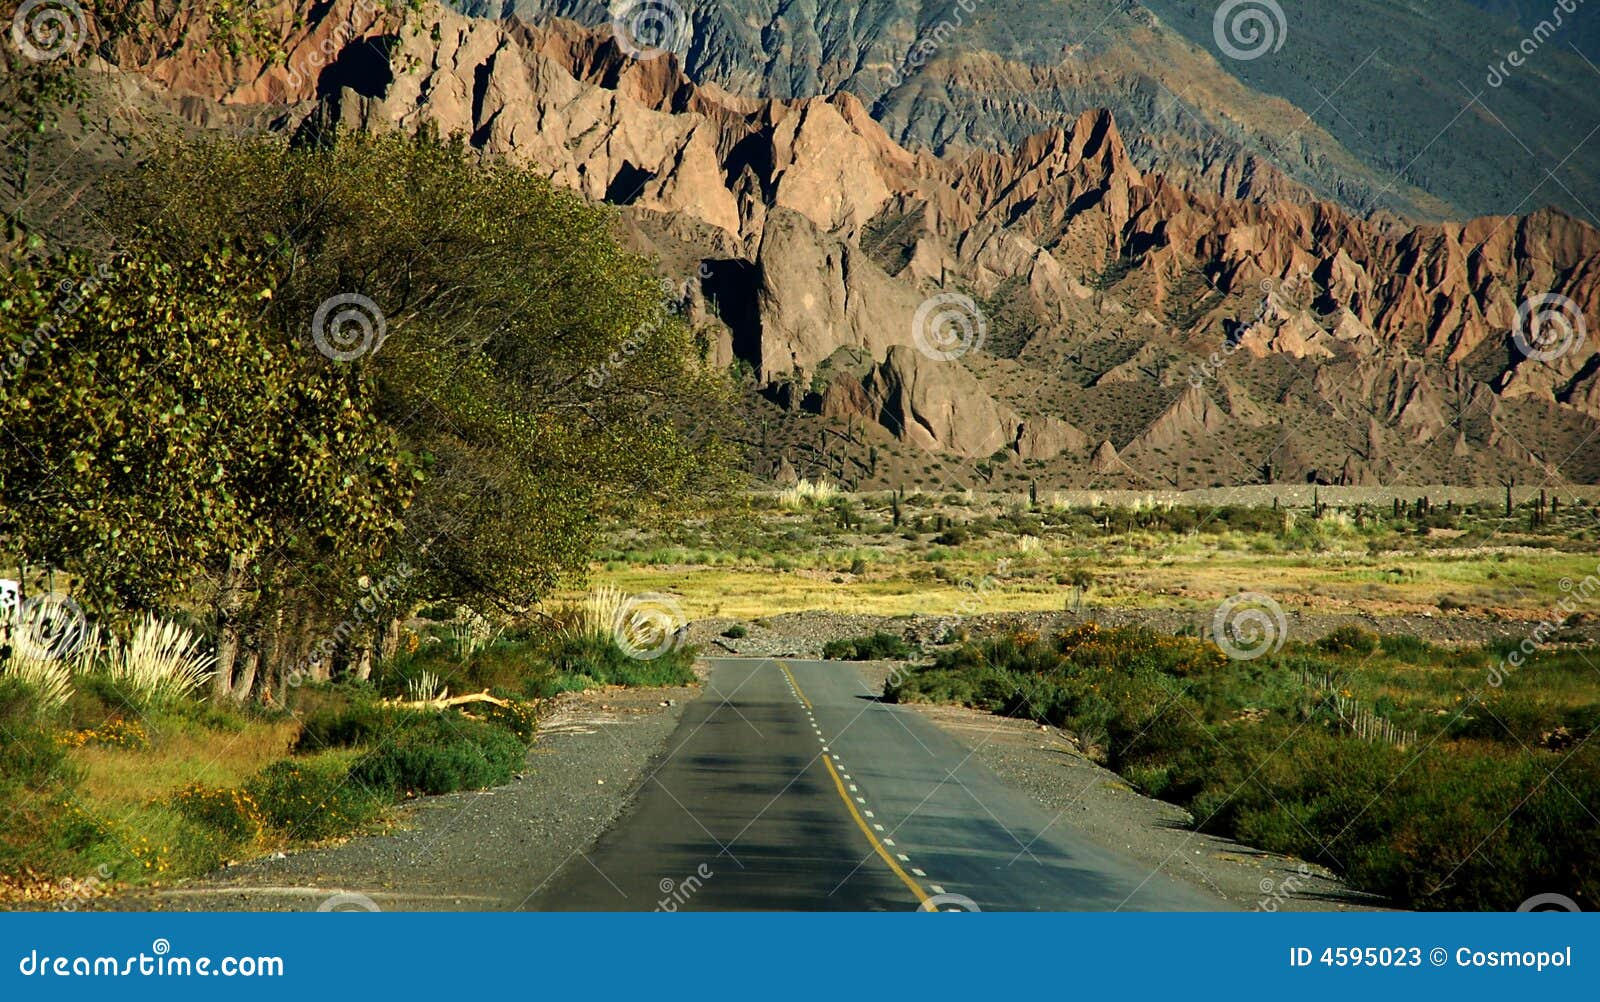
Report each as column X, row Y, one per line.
column 520, row 718
column 1410, row 649
column 582, row 661
column 160, row 664
column 444, row 753
column 232, row 813
column 312, row 798
column 361, row 722
column 49, row 679
column 1349, row 640
column 879, row 646
column 736, row 632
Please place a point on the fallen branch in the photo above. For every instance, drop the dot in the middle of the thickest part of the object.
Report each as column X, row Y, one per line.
column 448, row 702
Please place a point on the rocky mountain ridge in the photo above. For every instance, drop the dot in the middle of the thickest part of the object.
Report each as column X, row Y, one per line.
column 1049, row 312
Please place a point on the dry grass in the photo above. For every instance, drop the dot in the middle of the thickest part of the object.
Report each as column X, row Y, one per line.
column 127, row 778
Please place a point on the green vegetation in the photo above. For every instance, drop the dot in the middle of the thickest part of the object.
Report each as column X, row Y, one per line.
column 879, row 646
column 1483, row 809
column 963, row 554
column 310, row 393
column 176, row 787
column 306, row 396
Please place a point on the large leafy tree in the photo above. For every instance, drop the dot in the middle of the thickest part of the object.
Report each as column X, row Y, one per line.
column 533, row 368
column 530, row 361
column 154, row 427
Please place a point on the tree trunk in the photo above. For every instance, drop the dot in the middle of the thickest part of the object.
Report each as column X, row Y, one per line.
column 272, row 667
column 388, row 639
column 230, row 597
column 247, row 675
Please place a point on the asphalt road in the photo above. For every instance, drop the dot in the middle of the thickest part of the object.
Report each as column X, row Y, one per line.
column 788, row 786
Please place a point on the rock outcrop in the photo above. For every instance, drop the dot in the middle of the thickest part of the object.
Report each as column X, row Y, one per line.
column 938, row 406
column 814, row 232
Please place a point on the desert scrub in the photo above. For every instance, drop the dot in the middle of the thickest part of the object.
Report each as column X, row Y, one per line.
column 233, row 814
column 1257, row 750
column 441, row 753
column 879, row 646
column 313, row 798
column 585, row 661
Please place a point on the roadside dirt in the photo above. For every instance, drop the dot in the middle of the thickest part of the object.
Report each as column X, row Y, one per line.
column 484, row 851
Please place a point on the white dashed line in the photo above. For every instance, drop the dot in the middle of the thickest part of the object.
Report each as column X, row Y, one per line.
column 795, row 689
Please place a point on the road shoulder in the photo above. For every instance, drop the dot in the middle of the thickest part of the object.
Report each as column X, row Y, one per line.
column 489, row 850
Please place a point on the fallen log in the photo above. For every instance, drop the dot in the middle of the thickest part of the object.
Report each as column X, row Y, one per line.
column 445, row 703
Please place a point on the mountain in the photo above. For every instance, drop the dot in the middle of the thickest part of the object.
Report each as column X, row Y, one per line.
column 1557, row 25
column 1371, row 103
column 1047, row 311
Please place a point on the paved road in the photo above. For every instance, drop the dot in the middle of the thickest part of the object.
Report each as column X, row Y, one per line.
column 789, row 786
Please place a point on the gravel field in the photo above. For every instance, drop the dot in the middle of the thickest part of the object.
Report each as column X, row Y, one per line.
column 486, row 851
column 803, row 634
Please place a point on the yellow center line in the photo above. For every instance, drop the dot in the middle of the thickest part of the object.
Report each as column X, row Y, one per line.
column 785, row 669
column 861, row 822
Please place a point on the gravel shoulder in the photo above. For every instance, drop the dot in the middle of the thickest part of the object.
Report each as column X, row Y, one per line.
column 1044, row 763
column 482, row 851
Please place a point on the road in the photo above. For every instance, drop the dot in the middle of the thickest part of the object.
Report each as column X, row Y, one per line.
column 789, row 786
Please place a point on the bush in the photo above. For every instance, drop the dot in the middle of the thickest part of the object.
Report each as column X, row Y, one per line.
column 582, row 661
column 442, row 754
column 312, row 798
column 1349, row 640
column 736, row 632
column 880, row 646
column 231, row 813
column 1408, row 648
column 1240, row 746
column 361, row 722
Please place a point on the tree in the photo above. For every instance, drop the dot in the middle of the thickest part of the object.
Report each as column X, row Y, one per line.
column 534, row 367
column 156, row 428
